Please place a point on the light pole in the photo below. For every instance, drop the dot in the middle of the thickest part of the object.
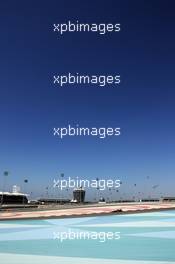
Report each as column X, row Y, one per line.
column 61, row 197
column 98, row 188
column 47, row 192
column 147, row 186
column 135, row 185
column 25, row 181
column 6, row 173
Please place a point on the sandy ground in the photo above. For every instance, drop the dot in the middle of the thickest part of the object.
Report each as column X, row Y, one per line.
column 85, row 211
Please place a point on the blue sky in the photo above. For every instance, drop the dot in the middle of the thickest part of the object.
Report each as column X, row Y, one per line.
column 143, row 105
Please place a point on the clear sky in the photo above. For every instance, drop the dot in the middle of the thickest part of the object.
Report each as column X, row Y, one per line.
column 143, row 105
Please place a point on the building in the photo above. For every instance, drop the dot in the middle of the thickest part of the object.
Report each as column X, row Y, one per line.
column 13, row 198
column 168, row 199
column 79, row 195
column 53, row 201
